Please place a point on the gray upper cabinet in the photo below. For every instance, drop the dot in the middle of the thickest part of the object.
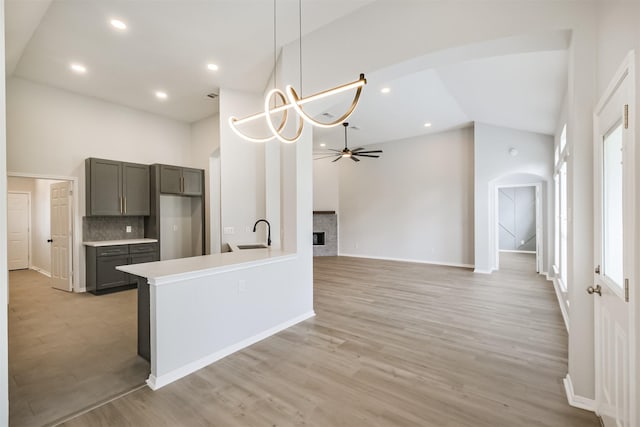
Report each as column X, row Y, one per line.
column 135, row 189
column 183, row 181
column 116, row 188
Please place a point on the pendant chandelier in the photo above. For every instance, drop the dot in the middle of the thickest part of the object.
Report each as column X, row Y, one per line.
column 290, row 99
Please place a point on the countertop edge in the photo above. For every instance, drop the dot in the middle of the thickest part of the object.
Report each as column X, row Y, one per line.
column 172, row 278
column 99, row 243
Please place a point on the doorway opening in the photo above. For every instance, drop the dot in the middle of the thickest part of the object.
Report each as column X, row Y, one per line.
column 518, row 226
column 45, row 232
column 67, row 350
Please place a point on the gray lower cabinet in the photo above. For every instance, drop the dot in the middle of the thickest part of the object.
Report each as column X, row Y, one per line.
column 116, row 188
column 102, row 276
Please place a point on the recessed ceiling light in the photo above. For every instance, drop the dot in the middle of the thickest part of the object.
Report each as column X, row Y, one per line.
column 385, row 90
column 161, row 95
column 323, row 145
column 427, row 125
column 78, row 68
column 118, row 24
column 212, row 67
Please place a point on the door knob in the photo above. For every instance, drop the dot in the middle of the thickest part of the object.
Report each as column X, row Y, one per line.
column 597, row 290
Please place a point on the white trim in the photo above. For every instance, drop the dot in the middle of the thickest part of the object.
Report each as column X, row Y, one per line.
column 561, row 303
column 577, row 401
column 418, row 261
column 516, row 251
column 483, row 271
column 40, row 270
column 155, row 383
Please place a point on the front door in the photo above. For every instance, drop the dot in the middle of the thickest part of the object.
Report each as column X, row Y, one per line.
column 613, row 238
column 61, row 235
column 18, row 223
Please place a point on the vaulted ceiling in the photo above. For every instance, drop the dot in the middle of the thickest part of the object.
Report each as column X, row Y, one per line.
column 515, row 82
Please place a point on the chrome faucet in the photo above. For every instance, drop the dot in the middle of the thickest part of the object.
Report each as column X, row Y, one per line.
column 268, row 229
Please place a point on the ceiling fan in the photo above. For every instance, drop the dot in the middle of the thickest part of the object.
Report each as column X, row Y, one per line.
column 353, row 154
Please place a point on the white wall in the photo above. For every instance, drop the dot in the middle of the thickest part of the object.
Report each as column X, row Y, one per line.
column 205, row 140
column 50, row 132
column 494, row 165
column 242, row 175
column 4, row 288
column 326, row 185
column 619, row 32
column 413, row 203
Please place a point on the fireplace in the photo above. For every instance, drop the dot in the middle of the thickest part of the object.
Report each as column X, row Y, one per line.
column 318, row 238
column 325, row 233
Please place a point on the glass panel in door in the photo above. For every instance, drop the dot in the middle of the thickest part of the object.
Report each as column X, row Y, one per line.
column 612, row 256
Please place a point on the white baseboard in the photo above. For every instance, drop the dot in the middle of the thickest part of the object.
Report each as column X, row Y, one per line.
column 40, row 270
column 577, row 401
column 155, row 383
column 483, row 271
column 561, row 303
column 418, row 261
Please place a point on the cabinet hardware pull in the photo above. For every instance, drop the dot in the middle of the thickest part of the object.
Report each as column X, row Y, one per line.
column 125, row 204
column 120, row 204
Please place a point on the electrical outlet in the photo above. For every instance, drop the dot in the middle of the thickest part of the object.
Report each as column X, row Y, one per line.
column 242, row 286
column 229, row 230
column 128, row 229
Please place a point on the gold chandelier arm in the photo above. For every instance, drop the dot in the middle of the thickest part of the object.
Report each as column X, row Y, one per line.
column 277, row 132
column 295, row 101
column 233, row 122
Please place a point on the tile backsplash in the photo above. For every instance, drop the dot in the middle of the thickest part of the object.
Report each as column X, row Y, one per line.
column 98, row 228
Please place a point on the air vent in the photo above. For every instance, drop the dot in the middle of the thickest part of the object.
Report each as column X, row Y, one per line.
column 212, row 95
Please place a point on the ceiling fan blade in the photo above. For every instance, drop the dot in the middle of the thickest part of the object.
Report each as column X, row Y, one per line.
column 354, row 159
column 338, row 158
column 365, row 155
column 337, row 151
column 324, row 157
column 357, row 149
column 370, row 151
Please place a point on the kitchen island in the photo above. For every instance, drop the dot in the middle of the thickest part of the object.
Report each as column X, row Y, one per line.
column 194, row 311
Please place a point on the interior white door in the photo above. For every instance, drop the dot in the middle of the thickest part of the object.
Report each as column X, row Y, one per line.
column 61, row 236
column 613, row 219
column 18, row 223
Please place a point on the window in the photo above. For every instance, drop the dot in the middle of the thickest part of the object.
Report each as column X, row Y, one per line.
column 561, row 198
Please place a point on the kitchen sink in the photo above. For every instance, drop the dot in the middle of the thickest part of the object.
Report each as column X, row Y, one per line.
column 253, row 246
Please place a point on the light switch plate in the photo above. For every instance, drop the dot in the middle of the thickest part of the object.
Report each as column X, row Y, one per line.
column 229, row 230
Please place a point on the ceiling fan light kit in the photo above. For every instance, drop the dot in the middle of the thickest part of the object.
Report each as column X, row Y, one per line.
column 352, row 154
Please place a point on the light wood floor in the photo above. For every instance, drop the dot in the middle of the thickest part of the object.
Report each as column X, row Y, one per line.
column 68, row 351
column 393, row 344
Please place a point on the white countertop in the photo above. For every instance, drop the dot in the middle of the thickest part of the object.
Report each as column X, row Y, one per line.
column 162, row 272
column 119, row 242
